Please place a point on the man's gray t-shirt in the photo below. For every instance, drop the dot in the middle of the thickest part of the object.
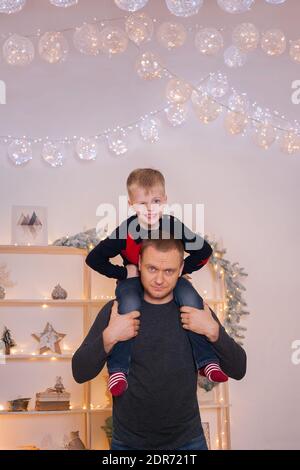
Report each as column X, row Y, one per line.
column 159, row 410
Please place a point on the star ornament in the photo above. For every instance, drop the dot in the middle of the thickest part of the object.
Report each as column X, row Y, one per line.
column 49, row 339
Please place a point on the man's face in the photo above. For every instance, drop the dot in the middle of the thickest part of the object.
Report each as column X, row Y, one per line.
column 160, row 271
column 148, row 205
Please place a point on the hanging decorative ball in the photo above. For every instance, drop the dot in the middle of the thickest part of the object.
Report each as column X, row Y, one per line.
column 264, row 135
column 86, row 39
column 209, row 41
column 184, row 7
column 131, row 5
column 18, row 50
column 113, row 40
column 11, row 6
column 238, row 102
column 176, row 114
column 206, row 108
column 273, row 42
column 59, row 293
column 290, row 143
column 64, row 3
column 20, row 151
column 116, row 141
column 295, row 50
column 149, row 128
column 53, row 47
column 53, row 154
column 178, row 91
column 235, row 6
column 171, row 35
column 235, row 122
column 275, row 2
column 246, row 37
column 139, row 28
column 234, row 57
column 148, row 66
column 217, row 85
column 87, row 148
column 2, row 293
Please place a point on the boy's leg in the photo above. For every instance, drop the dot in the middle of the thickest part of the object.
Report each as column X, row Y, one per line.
column 207, row 361
column 129, row 296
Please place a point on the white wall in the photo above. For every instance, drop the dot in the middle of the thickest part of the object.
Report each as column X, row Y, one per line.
column 250, row 196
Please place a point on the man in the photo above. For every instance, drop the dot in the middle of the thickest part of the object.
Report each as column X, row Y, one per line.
column 160, row 409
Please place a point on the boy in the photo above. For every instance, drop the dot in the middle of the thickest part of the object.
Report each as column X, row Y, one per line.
column 146, row 194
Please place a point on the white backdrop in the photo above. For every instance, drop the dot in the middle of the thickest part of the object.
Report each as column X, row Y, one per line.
column 250, row 196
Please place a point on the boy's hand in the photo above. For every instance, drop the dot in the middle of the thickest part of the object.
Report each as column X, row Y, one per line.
column 200, row 321
column 120, row 327
column 132, row 270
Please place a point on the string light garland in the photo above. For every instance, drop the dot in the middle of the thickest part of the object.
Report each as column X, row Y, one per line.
column 183, row 8
column 204, row 98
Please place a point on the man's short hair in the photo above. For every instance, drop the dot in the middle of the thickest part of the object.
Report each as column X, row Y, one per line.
column 145, row 178
column 163, row 243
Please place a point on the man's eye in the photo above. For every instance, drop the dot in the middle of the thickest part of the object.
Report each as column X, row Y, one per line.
column 152, row 269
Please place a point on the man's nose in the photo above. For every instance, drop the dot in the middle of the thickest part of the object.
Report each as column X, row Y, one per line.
column 159, row 279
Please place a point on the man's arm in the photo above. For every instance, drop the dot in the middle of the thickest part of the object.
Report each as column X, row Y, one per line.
column 107, row 330
column 233, row 359
column 90, row 357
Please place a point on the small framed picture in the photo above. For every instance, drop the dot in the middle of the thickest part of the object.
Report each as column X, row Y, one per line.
column 29, row 225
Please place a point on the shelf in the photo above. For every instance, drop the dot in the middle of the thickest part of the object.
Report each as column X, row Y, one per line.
column 42, row 250
column 66, row 303
column 51, row 357
column 83, row 411
column 73, row 411
column 52, row 302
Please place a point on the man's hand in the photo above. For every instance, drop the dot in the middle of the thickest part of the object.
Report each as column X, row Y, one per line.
column 132, row 270
column 120, row 327
column 200, row 321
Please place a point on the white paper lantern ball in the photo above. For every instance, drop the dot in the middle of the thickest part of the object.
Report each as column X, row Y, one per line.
column 87, row 148
column 86, row 39
column 148, row 66
column 18, row 50
column 171, row 35
column 53, row 47
column 209, row 41
column 113, row 40
column 131, row 5
column 273, row 42
column 246, row 37
column 20, row 152
column 184, row 8
column 178, row 91
column 139, row 28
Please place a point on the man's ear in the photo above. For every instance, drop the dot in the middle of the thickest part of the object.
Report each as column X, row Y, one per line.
column 181, row 269
column 139, row 264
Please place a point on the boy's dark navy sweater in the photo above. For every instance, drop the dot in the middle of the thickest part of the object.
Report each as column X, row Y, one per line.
column 126, row 241
column 159, row 409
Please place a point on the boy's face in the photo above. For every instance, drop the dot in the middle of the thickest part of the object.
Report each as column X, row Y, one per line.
column 148, row 205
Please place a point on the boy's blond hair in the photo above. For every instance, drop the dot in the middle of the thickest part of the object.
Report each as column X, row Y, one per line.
column 145, row 178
